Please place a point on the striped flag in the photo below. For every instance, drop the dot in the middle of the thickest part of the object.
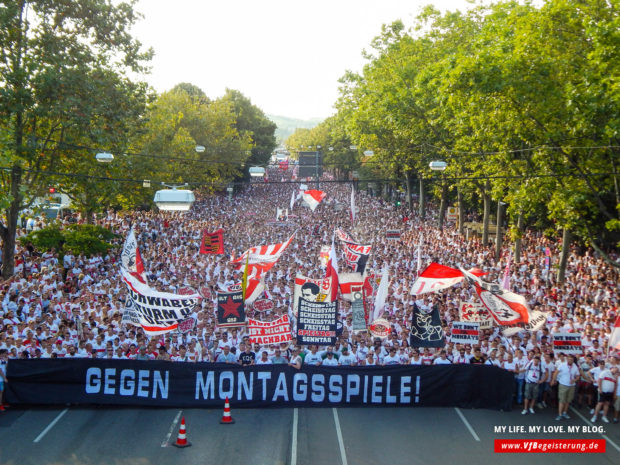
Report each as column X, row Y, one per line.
column 332, row 270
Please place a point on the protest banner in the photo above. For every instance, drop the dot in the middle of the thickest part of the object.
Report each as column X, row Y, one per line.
column 567, row 343
column 316, row 322
column 465, row 333
column 269, row 332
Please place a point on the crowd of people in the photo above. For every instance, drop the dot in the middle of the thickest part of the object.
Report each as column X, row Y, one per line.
column 71, row 306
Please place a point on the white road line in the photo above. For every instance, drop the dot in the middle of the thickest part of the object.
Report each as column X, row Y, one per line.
column 471, row 430
column 51, row 425
column 603, row 435
column 171, row 430
column 343, row 455
column 294, row 440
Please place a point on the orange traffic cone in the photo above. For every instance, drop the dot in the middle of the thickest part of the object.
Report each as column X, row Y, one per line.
column 181, row 438
column 226, row 418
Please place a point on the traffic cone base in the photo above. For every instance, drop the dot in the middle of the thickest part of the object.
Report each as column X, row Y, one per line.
column 227, row 419
column 182, row 438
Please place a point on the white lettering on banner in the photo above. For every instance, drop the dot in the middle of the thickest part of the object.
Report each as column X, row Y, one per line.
column 151, row 383
column 213, row 385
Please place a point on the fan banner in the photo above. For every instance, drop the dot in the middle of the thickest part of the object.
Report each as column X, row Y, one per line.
column 567, row 343
column 358, row 312
column 164, row 384
column 230, row 309
column 157, row 312
column 269, row 332
column 314, row 290
column 349, row 283
column 316, row 322
column 465, row 333
column 426, row 330
column 356, row 256
column 212, row 243
column 475, row 312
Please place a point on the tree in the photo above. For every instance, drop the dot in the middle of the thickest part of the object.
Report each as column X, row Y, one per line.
column 50, row 50
column 251, row 121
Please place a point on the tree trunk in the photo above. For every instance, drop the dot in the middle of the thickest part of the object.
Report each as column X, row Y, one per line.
column 566, row 238
column 519, row 240
column 443, row 205
column 408, row 178
column 499, row 237
column 422, row 199
column 486, row 199
column 9, row 231
column 461, row 211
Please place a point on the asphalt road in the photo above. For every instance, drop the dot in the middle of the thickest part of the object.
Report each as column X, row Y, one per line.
column 347, row 436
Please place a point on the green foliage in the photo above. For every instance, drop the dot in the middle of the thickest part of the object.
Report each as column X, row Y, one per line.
column 520, row 101
column 45, row 239
column 78, row 239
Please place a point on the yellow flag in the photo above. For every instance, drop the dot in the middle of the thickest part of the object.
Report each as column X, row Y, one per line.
column 244, row 280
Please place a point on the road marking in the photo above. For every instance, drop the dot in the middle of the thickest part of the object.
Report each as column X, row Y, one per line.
column 339, row 434
column 471, row 430
column 294, row 440
column 590, row 423
column 51, row 425
column 171, row 430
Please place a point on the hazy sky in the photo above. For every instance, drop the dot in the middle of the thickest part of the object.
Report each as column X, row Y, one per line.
column 285, row 55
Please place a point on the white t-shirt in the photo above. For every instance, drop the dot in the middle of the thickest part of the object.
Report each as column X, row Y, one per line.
column 441, row 361
column 312, row 359
column 533, row 373
column 606, row 381
column 567, row 374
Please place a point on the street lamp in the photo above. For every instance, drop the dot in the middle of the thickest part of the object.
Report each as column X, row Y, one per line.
column 200, row 148
column 174, row 199
column 438, row 165
column 104, row 157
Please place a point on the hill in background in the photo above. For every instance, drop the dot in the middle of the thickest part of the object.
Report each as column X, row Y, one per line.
column 287, row 126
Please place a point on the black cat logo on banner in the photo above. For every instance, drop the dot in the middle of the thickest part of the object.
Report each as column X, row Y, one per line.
column 230, row 309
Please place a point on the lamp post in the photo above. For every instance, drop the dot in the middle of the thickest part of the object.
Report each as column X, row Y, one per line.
column 441, row 166
column 316, row 166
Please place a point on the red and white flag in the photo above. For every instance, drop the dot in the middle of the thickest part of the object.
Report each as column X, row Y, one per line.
column 332, row 270
column 131, row 260
column 344, row 236
column 436, row 277
column 261, row 258
column 507, row 308
column 313, row 198
column 349, row 283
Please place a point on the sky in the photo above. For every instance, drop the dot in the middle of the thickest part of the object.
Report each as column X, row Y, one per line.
column 285, row 55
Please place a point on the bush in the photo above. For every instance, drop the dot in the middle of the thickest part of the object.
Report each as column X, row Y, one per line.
column 78, row 239
column 44, row 239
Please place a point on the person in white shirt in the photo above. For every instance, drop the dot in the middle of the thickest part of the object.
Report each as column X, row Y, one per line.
column 442, row 359
column 534, row 376
column 330, row 360
column 415, row 358
column 392, row 358
column 492, row 360
column 566, row 375
column 607, row 382
column 347, row 359
column 313, row 358
column 264, row 359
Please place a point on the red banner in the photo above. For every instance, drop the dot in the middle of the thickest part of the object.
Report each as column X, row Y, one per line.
column 212, row 243
column 269, row 332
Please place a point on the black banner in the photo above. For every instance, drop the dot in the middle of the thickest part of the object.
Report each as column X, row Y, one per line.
column 206, row 385
column 230, row 309
column 316, row 322
column 426, row 330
